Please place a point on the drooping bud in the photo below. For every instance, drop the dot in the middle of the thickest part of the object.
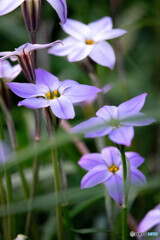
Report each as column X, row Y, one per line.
column 31, row 10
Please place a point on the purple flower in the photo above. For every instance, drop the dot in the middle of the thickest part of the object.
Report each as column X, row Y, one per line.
column 49, row 91
column 118, row 121
column 7, row 72
column 23, row 55
column 106, row 167
column 151, row 219
column 89, row 40
column 60, row 7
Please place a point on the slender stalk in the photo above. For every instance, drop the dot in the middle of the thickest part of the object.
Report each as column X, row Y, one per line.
column 124, row 205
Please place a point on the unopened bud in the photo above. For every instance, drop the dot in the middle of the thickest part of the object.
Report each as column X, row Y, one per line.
column 31, row 10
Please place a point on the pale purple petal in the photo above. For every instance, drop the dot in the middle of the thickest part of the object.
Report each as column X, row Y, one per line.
column 103, row 54
column 136, row 119
column 62, row 108
column 76, row 29
column 65, row 48
column 34, row 103
column 91, row 160
column 92, row 127
column 122, row 135
column 7, row 6
column 106, row 35
column 66, row 84
column 8, row 72
column 7, row 55
column 100, row 26
column 112, row 156
column 134, row 158
column 80, row 93
column 48, row 79
column 27, row 90
column 15, row 71
column 107, row 112
column 133, row 105
column 137, row 177
column 60, row 7
column 97, row 175
column 151, row 219
column 114, row 187
column 31, row 47
column 79, row 52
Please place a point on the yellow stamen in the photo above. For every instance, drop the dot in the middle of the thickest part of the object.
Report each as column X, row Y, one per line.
column 48, row 95
column 113, row 169
column 89, row 42
column 52, row 95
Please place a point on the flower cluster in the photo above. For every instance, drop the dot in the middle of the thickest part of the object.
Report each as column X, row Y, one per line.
column 106, row 167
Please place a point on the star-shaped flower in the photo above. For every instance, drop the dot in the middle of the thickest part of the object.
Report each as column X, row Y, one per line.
column 89, row 40
column 7, row 72
column 118, row 121
column 60, row 7
column 23, row 55
column 49, row 91
column 106, row 167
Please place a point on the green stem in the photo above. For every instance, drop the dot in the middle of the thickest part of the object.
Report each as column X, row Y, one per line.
column 55, row 162
column 124, row 205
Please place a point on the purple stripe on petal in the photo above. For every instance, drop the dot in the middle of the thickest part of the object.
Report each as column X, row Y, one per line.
column 122, row 135
column 60, row 7
column 107, row 112
column 134, row 158
column 136, row 119
column 95, row 176
column 137, row 177
column 112, row 156
column 91, row 160
column 34, row 103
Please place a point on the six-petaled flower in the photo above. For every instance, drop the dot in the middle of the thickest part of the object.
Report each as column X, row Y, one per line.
column 106, row 167
column 49, row 91
column 118, row 121
column 89, row 40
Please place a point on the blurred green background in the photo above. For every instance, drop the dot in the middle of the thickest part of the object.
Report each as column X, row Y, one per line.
column 136, row 71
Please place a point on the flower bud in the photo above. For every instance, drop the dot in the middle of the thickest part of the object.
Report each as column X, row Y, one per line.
column 31, row 10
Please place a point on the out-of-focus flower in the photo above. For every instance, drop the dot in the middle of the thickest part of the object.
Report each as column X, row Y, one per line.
column 151, row 219
column 5, row 151
column 23, row 55
column 49, row 91
column 7, row 72
column 89, row 40
column 118, row 121
column 60, row 6
column 106, row 167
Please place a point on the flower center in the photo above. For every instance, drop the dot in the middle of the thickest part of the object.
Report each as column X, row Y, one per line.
column 115, row 123
column 113, row 169
column 89, row 42
column 52, row 95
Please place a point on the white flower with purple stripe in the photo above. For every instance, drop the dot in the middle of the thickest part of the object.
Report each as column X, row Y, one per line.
column 106, row 167
column 117, row 122
column 49, row 91
column 89, row 41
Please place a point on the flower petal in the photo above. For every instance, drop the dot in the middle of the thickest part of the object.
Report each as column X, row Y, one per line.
column 91, row 160
column 28, row 47
column 76, row 29
column 122, row 135
column 27, row 90
column 107, row 112
column 65, row 48
column 151, row 219
column 92, row 127
column 100, row 26
column 34, row 103
column 81, row 92
column 60, row 7
column 7, row 6
column 8, row 72
column 137, row 177
column 67, row 84
column 95, row 176
column 62, row 108
column 114, row 187
column 113, row 33
column 103, row 54
column 112, row 156
column 133, row 105
column 134, row 158
column 137, row 119
column 79, row 52
column 46, row 78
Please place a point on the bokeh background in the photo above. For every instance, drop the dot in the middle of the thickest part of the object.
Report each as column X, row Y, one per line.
column 136, row 71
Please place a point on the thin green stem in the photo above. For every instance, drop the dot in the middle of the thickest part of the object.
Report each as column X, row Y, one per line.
column 124, row 205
